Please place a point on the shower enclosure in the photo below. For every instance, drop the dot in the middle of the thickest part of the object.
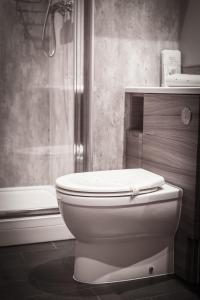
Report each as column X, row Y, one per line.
column 44, row 107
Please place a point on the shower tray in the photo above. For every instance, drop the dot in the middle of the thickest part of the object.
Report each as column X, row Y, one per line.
column 28, row 201
column 30, row 215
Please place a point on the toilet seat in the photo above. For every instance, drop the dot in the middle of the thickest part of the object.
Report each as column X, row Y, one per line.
column 104, row 194
column 125, row 182
column 104, row 188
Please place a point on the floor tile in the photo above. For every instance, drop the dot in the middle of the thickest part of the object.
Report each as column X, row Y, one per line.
column 12, row 267
column 20, row 290
column 131, row 297
column 146, row 288
column 180, row 295
column 5, row 293
column 65, row 244
column 11, row 259
column 26, row 248
column 56, row 277
column 105, row 292
column 45, row 272
column 83, row 295
column 41, row 257
column 14, row 273
column 54, row 297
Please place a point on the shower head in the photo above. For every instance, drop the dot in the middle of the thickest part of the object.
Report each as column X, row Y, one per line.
column 63, row 7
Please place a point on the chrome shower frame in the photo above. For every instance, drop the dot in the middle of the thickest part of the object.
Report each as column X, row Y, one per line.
column 62, row 7
column 83, row 74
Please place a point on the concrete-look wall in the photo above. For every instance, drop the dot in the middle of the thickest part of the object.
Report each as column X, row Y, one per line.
column 128, row 38
column 24, row 105
column 190, row 37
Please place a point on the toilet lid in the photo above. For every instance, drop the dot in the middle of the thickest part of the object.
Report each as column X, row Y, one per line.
column 131, row 181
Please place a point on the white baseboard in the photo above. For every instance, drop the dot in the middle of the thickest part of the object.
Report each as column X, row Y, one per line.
column 33, row 230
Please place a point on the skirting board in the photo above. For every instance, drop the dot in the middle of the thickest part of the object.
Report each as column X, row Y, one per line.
column 36, row 229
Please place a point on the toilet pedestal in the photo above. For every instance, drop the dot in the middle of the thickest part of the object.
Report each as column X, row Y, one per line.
column 126, row 259
column 121, row 233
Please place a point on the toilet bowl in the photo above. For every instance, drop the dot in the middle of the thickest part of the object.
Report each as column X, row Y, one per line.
column 124, row 222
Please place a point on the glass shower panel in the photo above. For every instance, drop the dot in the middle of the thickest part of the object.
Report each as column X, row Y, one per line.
column 36, row 96
column 24, row 117
column 41, row 103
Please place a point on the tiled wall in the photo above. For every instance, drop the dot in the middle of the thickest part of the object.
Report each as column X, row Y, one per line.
column 128, row 38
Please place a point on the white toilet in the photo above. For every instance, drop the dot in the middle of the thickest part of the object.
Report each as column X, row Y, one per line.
column 124, row 222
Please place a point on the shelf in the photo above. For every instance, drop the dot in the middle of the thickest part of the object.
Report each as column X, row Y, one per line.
column 163, row 90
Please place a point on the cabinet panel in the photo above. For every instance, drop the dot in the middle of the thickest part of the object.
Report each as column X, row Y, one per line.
column 171, row 148
column 177, row 156
column 162, row 116
column 134, row 143
column 133, row 162
column 176, row 162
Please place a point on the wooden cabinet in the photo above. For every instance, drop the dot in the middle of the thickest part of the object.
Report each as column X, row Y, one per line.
column 134, row 144
column 163, row 117
column 169, row 146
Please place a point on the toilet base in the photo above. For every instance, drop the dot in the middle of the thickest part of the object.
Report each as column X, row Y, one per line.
column 120, row 260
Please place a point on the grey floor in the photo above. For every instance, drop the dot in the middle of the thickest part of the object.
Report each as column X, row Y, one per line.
column 44, row 271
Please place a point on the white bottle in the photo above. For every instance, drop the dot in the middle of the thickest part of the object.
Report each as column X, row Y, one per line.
column 171, row 64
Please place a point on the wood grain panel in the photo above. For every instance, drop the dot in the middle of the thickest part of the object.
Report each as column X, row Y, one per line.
column 169, row 105
column 181, row 251
column 176, row 162
column 133, row 162
column 137, row 112
column 162, row 116
column 172, row 149
column 127, row 113
column 187, row 183
column 134, row 143
column 177, row 156
column 186, row 257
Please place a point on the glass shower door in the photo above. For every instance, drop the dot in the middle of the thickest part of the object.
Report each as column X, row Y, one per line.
column 38, row 95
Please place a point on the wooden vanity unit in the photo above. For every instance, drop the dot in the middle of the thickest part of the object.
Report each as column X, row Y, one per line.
column 162, row 135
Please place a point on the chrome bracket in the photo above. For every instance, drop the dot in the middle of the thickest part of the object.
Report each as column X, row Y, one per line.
column 62, row 7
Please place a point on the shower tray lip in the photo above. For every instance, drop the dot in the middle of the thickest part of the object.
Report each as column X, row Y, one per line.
column 29, row 213
column 28, row 201
column 35, row 219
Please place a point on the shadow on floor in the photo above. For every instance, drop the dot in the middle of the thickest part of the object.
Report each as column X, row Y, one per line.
column 56, row 277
